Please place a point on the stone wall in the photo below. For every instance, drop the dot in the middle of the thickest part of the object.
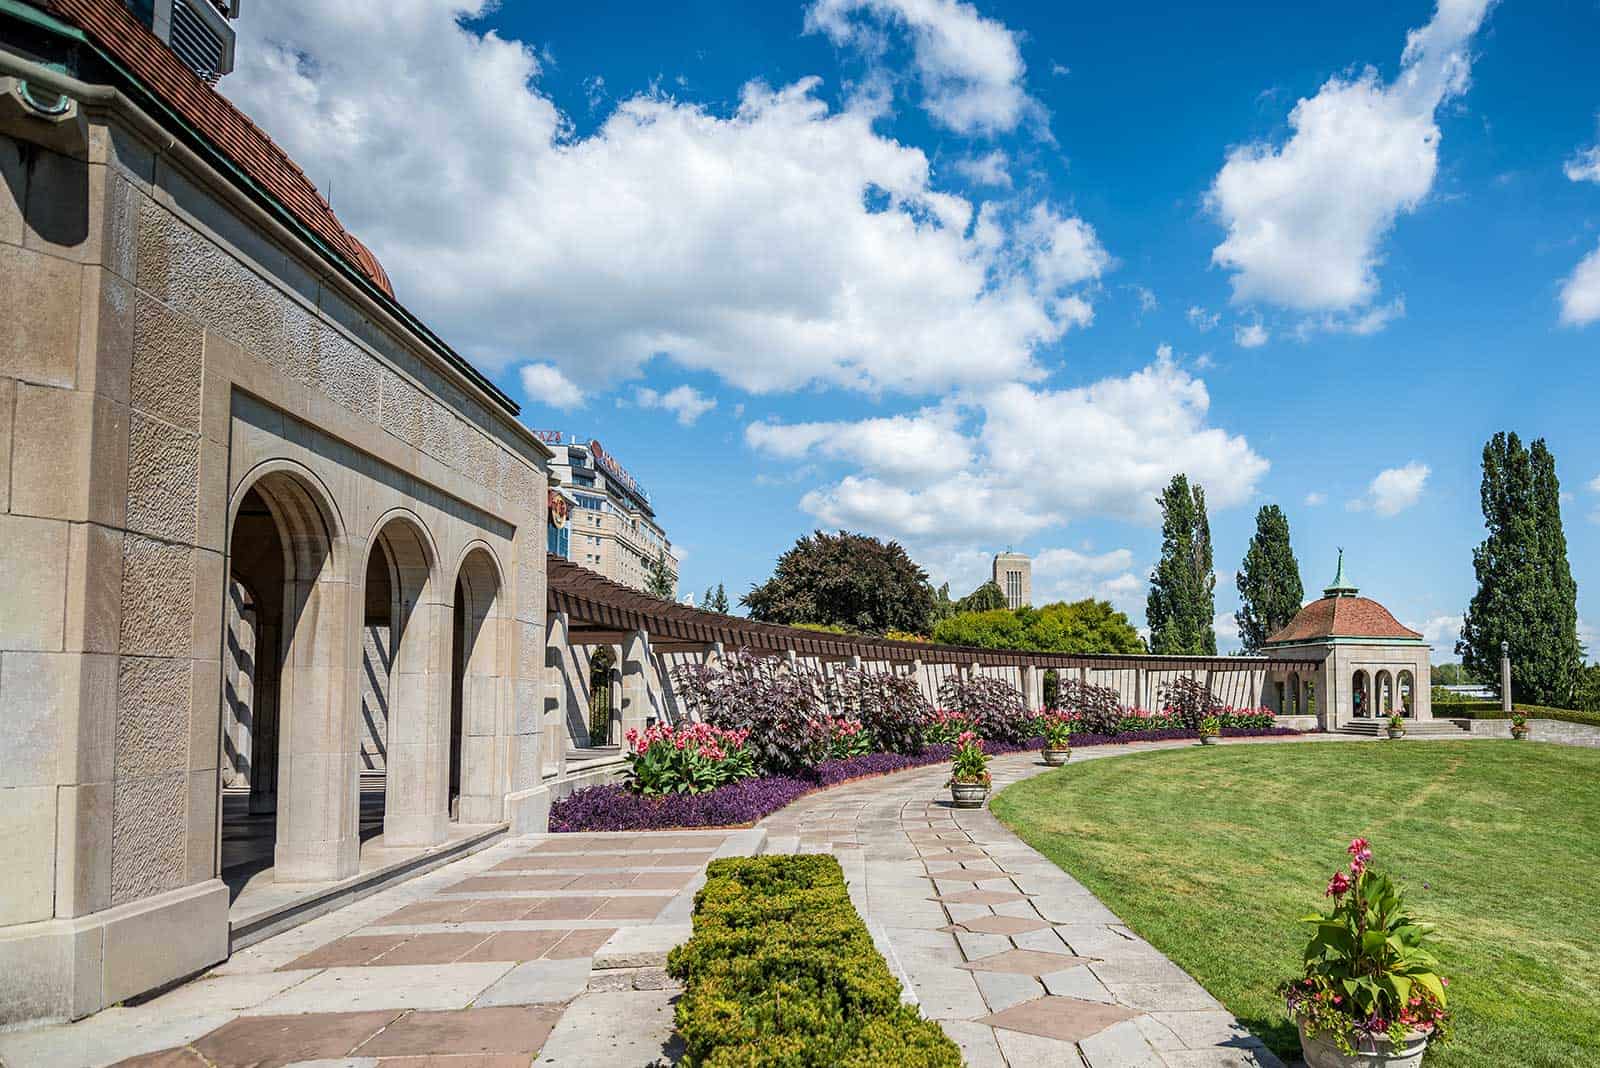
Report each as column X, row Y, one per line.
column 167, row 344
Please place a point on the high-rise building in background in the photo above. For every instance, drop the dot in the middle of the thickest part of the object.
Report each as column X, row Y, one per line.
column 1013, row 573
column 611, row 528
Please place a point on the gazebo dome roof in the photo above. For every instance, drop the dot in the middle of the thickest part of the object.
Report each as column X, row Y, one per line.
column 1342, row 613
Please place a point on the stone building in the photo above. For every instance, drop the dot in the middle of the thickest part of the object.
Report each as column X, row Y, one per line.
column 272, row 593
column 1372, row 665
column 612, row 529
column 1013, row 573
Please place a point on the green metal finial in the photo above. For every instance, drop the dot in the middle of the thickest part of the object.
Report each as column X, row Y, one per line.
column 1341, row 586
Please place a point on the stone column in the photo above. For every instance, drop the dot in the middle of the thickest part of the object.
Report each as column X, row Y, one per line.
column 557, row 655
column 635, row 682
column 1505, row 677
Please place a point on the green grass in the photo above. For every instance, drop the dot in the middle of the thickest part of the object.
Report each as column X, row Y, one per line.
column 1212, row 854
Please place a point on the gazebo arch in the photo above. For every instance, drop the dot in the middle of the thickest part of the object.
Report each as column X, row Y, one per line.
column 479, row 686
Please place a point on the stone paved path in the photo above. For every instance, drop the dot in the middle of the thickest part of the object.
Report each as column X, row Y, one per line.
column 1014, row 958
column 543, row 945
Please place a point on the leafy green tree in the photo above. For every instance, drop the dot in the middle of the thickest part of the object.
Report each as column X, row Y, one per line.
column 661, row 580
column 1526, row 594
column 985, row 598
column 1270, row 590
column 1182, row 603
column 1087, row 626
column 862, row 584
column 716, row 600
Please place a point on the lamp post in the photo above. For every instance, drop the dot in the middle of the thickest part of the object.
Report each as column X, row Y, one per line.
column 1505, row 678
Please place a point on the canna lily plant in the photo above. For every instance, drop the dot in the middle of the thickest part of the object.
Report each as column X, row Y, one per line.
column 969, row 764
column 1369, row 972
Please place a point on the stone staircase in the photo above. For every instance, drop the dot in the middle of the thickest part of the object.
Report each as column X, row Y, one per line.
column 1431, row 728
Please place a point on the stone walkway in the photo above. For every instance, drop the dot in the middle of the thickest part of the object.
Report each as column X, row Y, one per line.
column 548, row 945
column 1013, row 957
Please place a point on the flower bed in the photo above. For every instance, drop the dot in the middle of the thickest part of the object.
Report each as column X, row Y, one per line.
column 616, row 808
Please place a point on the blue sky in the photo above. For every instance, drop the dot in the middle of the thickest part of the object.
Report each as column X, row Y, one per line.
column 979, row 276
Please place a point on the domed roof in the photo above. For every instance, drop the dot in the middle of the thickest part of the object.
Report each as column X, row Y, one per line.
column 1341, row 613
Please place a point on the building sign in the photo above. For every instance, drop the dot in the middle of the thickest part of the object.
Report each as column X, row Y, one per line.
column 609, row 465
column 548, row 437
column 559, row 509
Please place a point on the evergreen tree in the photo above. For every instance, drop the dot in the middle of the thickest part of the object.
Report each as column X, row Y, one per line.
column 662, row 581
column 718, row 601
column 1526, row 594
column 985, row 598
column 1182, row 601
column 1270, row 591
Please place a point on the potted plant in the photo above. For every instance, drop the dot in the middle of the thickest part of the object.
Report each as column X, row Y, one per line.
column 1210, row 730
column 1371, row 995
column 1057, row 739
column 1397, row 725
column 1519, row 726
column 969, row 772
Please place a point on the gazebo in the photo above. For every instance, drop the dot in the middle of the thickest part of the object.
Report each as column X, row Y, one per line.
column 1373, row 665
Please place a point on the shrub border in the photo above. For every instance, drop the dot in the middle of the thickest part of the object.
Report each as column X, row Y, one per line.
column 613, row 807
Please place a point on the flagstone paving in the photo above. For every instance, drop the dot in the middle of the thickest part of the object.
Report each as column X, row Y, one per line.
column 1014, row 958
column 543, row 949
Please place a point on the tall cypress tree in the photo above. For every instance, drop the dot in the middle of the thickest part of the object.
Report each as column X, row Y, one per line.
column 1270, row 590
column 1182, row 601
column 1526, row 594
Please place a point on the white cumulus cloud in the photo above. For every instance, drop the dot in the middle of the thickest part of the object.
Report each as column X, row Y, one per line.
column 990, row 168
column 1038, row 458
column 777, row 244
column 1580, row 293
column 1440, row 631
column 1203, row 320
column 543, row 383
column 969, row 66
column 1315, row 499
column 685, row 402
column 1306, row 218
column 1250, row 335
column 1394, row 490
column 920, row 446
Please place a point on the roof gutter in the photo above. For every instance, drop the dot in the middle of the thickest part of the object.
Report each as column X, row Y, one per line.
column 199, row 150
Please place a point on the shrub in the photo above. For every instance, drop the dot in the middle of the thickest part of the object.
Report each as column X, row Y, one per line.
column 891, row 707
column 1099, row 708
column 687, row 760
column 1190, row 701
column 781, row 970
column 779, row 708
column 1210, row 727
column 1368, row 970
column 993, row 706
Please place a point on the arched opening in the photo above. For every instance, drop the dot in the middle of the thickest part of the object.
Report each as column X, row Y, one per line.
column 1383, row 693
column 1360, row 697
column 403, row 661
column 476, row 697
column 282, row 690
column 602, row 665
column 1406, row 685
column 1294, row 694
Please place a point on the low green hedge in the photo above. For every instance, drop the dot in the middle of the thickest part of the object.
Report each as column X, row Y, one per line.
column 781, row 971
column 1490, row 710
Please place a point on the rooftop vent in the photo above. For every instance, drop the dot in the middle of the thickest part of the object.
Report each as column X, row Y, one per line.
column 198, row 31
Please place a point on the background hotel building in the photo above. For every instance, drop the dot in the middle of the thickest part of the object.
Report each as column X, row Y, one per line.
column 612, row 528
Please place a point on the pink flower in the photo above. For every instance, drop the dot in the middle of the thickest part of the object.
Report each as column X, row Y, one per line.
column 1357, row 846
column 1338, row 885
column 1357, row 866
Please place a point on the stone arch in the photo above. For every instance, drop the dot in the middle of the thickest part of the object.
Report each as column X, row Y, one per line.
column 416, row 725
column 1294, row 694
column 1360, row 694
column 602, row 694
column 303, row 622
column 1383, row 693
column 480, row 689
column 1405, row 692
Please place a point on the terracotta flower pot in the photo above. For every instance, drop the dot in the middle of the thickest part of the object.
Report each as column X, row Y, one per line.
column 1320, row 1052
column 968, row 794
column 1056, row 757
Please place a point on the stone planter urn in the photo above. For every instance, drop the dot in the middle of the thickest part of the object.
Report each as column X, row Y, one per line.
column 969, row 794
column 1396, row 732
column 1320, row 1052
column 1056, row 757
column 1209, row 739
column 1520, row 733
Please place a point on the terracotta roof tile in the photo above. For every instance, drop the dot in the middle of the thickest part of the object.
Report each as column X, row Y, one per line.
column 115, row 29
column 1342, row 617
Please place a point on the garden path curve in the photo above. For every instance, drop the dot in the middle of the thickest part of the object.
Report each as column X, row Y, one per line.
column 1016, row 960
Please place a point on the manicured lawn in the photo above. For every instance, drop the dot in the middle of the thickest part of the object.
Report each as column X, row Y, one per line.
column 1212, row 854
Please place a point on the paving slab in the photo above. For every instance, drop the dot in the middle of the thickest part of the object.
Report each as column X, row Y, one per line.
column 614, row 1028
